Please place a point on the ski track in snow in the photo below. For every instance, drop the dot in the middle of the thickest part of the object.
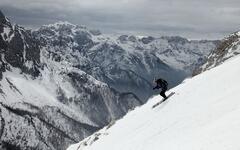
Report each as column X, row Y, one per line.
column 203, row 114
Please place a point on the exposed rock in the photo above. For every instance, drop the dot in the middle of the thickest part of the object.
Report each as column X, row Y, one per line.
column 227, row 48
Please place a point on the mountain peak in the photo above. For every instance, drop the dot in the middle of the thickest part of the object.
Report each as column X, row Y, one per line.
column 59, row 24
column 64, row 24
column 238, row 33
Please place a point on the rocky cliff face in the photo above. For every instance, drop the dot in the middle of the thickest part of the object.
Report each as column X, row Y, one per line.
column 18, row 48
column 228, row 48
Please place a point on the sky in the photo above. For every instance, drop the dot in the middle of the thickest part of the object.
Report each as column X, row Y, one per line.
column 193, row 19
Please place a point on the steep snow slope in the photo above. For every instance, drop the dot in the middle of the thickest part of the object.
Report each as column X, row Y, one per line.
column 203, row 114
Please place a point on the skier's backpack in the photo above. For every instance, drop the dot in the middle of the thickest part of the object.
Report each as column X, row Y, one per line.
column 162, row 82
column 165, row 82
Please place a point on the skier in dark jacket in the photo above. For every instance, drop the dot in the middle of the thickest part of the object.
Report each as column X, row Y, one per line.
column 163, row 85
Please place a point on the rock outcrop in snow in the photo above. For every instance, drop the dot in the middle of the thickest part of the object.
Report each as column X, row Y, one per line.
column 228, row 47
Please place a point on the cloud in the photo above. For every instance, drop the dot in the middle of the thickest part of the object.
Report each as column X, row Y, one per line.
column 190, row 18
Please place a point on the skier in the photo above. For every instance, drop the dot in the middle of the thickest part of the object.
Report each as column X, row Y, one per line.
column 163, row 85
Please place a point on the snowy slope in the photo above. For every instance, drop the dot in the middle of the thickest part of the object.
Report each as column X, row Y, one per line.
column 203, row 114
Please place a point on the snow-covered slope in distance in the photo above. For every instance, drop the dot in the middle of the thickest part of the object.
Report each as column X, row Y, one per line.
column 203, row 114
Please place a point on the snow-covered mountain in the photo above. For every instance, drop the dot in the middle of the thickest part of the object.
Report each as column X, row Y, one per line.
column 46, row 104
column 228, row 48
column 202, row 114
column 127, row 63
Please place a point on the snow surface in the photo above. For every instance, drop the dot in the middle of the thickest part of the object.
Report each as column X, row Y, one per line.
column 202, row 115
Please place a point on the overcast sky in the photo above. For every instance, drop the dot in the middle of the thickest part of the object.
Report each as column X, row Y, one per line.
column 194, row 19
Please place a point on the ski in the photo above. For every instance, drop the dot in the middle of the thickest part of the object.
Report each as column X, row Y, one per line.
column 171, row 94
